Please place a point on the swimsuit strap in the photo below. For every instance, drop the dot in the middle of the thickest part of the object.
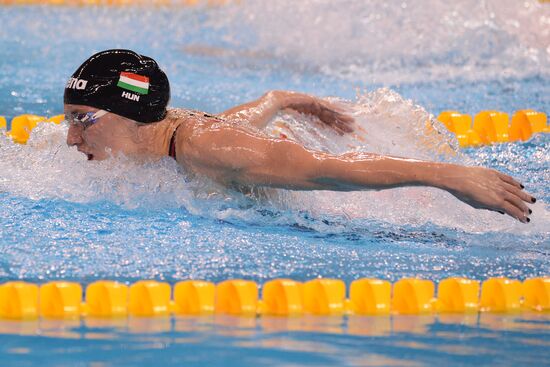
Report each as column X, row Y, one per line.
column 172, row 148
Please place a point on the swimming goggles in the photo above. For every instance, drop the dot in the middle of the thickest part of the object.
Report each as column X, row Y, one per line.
column 85, row 119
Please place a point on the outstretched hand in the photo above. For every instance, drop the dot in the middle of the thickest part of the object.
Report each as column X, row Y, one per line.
column 485, row 188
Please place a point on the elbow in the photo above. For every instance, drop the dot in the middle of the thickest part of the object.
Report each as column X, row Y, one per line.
column 274, row 96
column 275, row 93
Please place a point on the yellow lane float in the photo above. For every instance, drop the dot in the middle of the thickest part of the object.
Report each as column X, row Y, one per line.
column 237, row 297
column 536, row 294
column 501, row 295
column 149, row 298
column 280, row 297
column 413, row 296
column 458, row 295
column 461, row 126
column 324, row 296
column 525, row 123
column 60, row 300
column 194, row 297
column 18, row 300
column 491, row 127
column 370, row 297
column 22, row 125
column 106, row 299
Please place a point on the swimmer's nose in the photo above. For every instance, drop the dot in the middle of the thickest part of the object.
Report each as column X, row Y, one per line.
column 74, row 135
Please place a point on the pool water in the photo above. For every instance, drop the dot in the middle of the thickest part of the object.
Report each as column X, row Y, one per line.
column 393, row 66
column 315, row 341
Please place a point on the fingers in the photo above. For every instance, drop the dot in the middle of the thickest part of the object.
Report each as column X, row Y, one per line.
column 517, row 202
column 342, row 123
column 515, row 212
column 499, row 192
column 517, row 198
column 519, row 193
column 510, row 180
column 522, row 194
column 332, row 115
column 333, row 106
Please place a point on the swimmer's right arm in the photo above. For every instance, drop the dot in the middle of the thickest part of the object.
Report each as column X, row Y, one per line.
column 232, row 155
column 259, row 112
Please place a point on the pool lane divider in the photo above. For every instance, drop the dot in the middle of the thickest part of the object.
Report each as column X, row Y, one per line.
column 21, row 300
column 21, row 126
column 489, row 127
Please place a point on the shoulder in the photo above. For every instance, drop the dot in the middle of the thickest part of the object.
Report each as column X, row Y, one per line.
column 187, row 115
column 193, row 131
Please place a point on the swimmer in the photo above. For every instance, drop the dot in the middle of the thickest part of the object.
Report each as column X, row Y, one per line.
column 116, row 102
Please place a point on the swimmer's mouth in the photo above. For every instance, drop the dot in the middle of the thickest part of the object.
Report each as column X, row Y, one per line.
column 88, row 155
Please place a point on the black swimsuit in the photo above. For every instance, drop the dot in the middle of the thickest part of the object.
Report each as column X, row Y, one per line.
column 172, row 148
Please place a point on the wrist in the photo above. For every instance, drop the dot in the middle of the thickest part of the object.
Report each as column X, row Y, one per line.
column 444, row 175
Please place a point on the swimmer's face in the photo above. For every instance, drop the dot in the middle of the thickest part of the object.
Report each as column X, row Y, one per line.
column 110, row 134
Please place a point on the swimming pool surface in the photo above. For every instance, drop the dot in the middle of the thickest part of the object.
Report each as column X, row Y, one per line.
column 392, row 65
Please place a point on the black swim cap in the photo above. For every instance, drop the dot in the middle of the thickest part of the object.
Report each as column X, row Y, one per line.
column 122, row 82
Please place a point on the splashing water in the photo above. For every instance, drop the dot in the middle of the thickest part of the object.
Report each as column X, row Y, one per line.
column 66, row 217
column 47, row 169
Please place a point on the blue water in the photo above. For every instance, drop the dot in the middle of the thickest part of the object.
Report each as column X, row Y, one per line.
column 397, row 341
column 65, row 218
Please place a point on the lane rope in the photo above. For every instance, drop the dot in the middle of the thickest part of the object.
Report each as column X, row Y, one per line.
column 21, row 300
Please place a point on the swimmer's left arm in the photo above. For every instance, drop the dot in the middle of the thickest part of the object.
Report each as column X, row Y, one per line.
column 261, row 111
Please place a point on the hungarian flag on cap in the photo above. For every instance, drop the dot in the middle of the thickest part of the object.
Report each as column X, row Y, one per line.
column 134, row 82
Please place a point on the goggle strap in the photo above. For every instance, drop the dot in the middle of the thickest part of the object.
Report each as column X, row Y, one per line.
column 95, row 116
column 92, row 116
column 99, row 114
